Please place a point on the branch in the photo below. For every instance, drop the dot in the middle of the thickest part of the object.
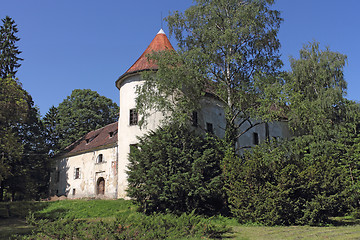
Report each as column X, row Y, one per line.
column 251, row 126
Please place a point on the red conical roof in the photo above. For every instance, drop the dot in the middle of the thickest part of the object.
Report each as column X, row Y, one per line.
column 159, row 43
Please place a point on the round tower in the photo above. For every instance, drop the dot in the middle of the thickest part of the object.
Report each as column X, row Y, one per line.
column 128, row 129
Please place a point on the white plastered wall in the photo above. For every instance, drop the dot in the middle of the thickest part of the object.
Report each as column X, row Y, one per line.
column 90, row 171
column 127, row 134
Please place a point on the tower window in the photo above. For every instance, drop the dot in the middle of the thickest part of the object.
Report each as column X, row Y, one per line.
column 209, row 127
column 255, row 138
column 133, row 117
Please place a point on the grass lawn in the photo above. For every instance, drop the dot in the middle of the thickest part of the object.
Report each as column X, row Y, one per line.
column 108, row 210
column 12, row 226
column 296, row 232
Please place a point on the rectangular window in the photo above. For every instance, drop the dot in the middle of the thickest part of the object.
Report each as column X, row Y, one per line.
column 209, row 128
column 194, row 119
column 255, row 138
column 76, row 173
column 74, row 191
column 133, row 117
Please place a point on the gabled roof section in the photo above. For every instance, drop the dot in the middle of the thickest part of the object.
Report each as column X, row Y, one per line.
column 159, row 43
column 104, row 136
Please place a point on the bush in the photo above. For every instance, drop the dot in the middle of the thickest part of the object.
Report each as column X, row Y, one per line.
column 294, row 182
column 173, row 169
column 130, row 226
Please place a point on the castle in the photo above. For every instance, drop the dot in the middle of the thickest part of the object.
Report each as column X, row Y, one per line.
column 96, row 165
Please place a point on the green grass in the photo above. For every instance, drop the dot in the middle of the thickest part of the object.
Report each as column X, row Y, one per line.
column 82, row 209
column 106, row 218
column 296, row 232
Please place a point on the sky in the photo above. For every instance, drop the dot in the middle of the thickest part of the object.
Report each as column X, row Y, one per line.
column 88, row 44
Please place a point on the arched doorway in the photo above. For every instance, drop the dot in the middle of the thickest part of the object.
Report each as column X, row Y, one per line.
column 100, row 186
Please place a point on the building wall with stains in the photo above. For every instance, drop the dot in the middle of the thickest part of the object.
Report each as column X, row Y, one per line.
column 79, row 175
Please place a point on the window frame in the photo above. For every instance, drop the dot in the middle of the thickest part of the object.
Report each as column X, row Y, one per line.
column 100, row 157
column 256, row 139
column 209, row 128
column 77, row 174
column 133, row 117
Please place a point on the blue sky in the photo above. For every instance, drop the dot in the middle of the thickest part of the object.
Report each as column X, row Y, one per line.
column 88, row 44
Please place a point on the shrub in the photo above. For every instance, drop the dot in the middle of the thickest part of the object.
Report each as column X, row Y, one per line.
column 130, row 226
column 293, row 182
column 174, row 169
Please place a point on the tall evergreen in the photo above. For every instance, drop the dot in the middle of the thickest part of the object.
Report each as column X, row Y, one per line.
column 9, row 52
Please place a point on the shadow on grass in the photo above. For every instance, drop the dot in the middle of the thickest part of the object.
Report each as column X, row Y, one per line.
column 11, row 226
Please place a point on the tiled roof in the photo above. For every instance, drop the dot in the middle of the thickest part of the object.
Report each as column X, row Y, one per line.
column 101, row 137
column 159, row 43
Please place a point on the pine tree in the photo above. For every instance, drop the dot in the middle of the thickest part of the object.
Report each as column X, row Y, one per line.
column 9, row 60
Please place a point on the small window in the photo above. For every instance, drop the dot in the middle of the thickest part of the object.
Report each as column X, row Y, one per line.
column 133, row 117
column 255, row 138
column 74, row 191
column 111, row 134
column 87, row 141
column 100, row 158
column 77, row 173
column 209, row 128
column 194, row 119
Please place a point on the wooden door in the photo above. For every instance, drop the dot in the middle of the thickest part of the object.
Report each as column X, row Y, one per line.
column 101, row 186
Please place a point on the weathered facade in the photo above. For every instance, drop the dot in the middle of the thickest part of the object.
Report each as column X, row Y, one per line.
column 96, row 165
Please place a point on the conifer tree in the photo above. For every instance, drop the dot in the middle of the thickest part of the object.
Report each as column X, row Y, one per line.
column 9, row 52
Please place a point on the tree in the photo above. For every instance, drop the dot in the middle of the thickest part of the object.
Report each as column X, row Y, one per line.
column 81, row 112
column 174, row 169
column 30, row 173
column 226, row 47
column 316, row 88
column 13, row 110
column 51, row 124
column 9, row 60
column 314, row 175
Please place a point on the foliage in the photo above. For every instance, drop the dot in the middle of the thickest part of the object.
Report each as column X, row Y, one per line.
column 316, row 89
column 9, row 60
column 228, row 48
column 315, row 175
column 173, row 169
column 293, row 182
column 131, row 226
column 79, row 219
column 30, row 175
column 81, row 112
column 13, row 108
